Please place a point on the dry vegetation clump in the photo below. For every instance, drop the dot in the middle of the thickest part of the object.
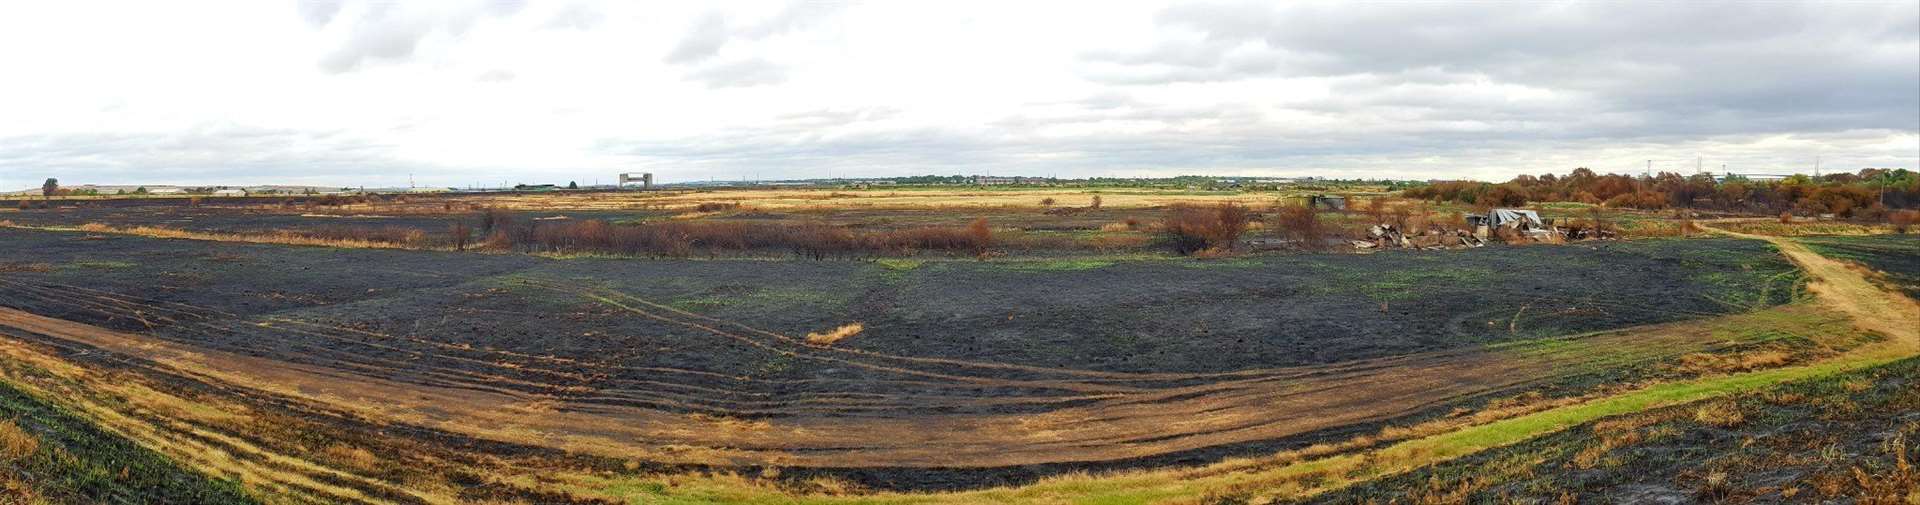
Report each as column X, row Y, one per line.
column 1903, row 220
column 686, row 238
column 1195, row 229
column 494, row 218
column 1111, row 243
column 1706, row 363
column 459, row 233
column 1724, row 414
column 838, row 334
column 1300, row 224
column 397, row 235
column 715, row 206
column 15, row 443
column 351, row 457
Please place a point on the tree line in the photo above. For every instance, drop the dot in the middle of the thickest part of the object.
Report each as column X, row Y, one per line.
column 1868, row 194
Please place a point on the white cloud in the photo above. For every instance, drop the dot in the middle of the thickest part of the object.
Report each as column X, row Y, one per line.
column 358, row 92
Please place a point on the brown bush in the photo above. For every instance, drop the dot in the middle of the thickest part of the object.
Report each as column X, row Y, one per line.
column 1095, row 204
column 1786, row 217
column 25, row 204
column 715, row 206
column 1195, row 229
column 1299, row 223
column 1903, row 220
column 1047, row 202
column 983, row 235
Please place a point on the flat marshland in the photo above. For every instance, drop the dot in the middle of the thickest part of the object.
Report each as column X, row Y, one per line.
column 957, row 345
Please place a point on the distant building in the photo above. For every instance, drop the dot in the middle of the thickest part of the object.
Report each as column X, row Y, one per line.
column 165, row 191
column 230, row 192
column 988, row 180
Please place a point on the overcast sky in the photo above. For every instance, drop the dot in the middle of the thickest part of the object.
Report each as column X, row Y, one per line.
column 459, row 93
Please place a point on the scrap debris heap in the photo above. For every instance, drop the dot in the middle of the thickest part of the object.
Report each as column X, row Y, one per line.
column 1505, row 225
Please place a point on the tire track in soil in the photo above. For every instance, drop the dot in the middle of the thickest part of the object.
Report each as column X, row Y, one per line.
column 1184, row 418
column 395, row 368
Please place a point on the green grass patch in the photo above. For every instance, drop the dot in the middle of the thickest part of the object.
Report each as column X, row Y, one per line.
column 76, row 462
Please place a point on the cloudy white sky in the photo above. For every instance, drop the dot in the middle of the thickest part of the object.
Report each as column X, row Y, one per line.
column 458, row 93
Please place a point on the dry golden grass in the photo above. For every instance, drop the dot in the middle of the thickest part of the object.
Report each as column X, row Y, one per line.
column 825, row 199
column 350, row 457
column 838, row 334
column 283, row 238
column 15, row 443
column 1724, row 414
column 1706, row 363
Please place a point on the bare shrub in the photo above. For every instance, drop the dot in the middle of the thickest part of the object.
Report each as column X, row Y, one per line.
column 1095, row 204
column 460, row 233
column 1047, row 202
column 1194, row 229
column 715, row 206
column 1786, row 217
column 1299, row 223
column 25, row 204
column 495, row 218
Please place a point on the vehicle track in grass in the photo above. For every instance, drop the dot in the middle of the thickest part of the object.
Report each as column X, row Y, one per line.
column 1129, row 422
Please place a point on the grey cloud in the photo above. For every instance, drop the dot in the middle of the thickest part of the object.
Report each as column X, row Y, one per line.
column 1616, row 69
column 391, row 32
column 713, row 32
column 318, row 13
column 743, row 73
column 211, row 154
column 702, row 42
column 1259, row 149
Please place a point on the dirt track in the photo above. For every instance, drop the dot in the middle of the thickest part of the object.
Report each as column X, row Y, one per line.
column 1841, row 287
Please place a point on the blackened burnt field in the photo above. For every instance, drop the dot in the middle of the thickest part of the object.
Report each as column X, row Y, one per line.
column 957, row 363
